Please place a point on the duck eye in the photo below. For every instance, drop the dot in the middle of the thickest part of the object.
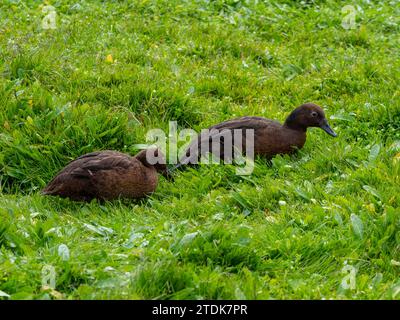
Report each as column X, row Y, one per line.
column 314, row 114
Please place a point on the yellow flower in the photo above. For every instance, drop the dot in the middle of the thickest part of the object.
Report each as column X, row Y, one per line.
column 109, row 59
column 29, row 120
column 370, row 207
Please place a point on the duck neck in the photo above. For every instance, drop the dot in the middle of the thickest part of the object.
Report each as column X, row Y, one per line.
column 293, row 125
column 293, row 121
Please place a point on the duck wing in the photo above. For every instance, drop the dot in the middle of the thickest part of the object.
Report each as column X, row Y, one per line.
column 100, row 154
column 76, row 178
column 245, row 123
column 217, row 133
column 86, row 165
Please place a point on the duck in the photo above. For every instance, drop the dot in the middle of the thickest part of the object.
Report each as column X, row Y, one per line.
column 270, row 136
column 107, row 175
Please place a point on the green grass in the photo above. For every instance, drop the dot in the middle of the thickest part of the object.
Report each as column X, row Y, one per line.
column 287, row 231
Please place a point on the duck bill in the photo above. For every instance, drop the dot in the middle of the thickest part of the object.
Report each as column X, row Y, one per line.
column 168, row 175
column 325, row 126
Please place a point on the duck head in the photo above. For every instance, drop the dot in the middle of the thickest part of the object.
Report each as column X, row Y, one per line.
column 308, row 115
column 153, row 157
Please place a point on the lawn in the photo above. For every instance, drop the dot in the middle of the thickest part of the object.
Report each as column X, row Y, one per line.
column 321, row 224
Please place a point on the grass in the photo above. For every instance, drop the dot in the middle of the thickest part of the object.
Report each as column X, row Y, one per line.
column 288, row 231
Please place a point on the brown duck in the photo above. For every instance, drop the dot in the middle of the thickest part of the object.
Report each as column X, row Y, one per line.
column 106, row 175
column 270, row 137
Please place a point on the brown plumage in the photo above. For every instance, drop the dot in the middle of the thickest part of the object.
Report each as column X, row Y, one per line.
column 106, row 175
column 270, row 137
